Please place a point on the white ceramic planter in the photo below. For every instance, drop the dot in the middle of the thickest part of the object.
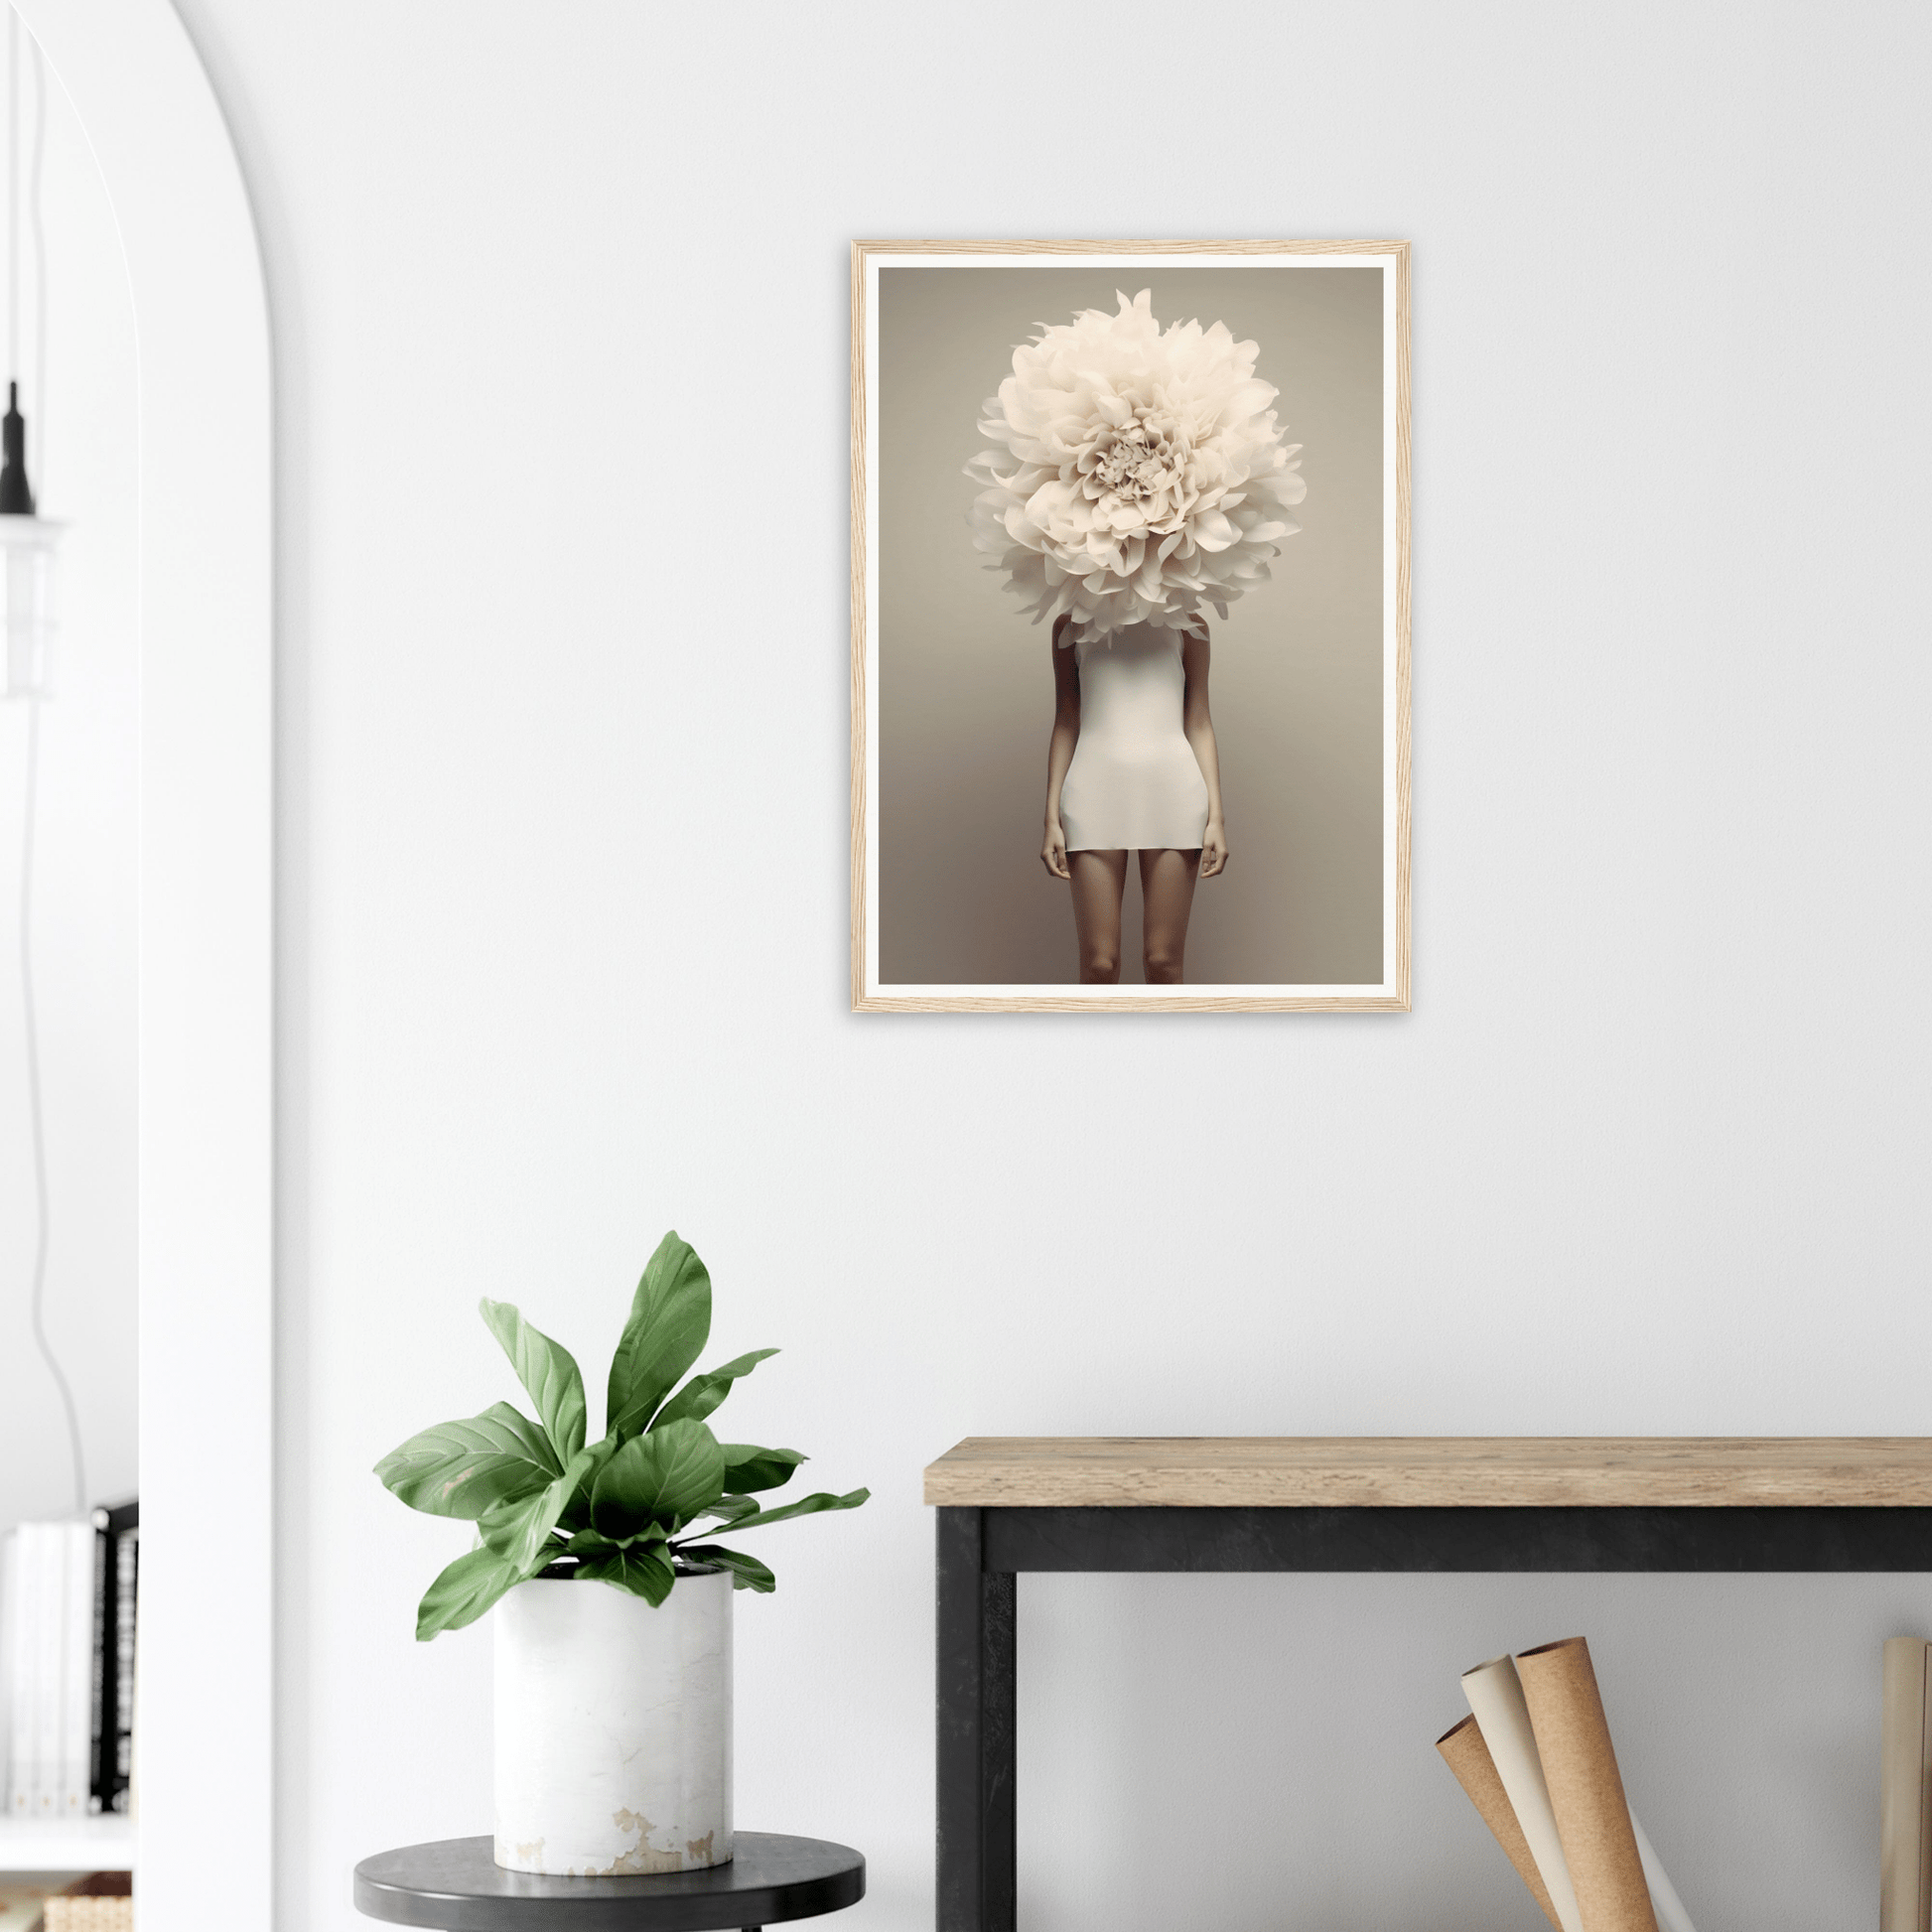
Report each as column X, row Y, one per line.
column 614, row 1728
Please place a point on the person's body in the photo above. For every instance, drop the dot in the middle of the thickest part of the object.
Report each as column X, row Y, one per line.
column 1132, row 766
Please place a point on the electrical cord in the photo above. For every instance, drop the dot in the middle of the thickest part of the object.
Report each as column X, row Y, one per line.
column 13, row 191
column 29, row 1012
column 38, row 462
column 44, row 1219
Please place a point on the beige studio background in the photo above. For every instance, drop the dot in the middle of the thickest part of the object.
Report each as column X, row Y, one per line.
column 966, row 686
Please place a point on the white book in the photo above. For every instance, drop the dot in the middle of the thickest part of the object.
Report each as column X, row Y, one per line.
column 76, row 1669
column 8, row 1640
column 23, row 1747
column 48, row 1577
column 19, row 1662
column 20, row 1669
column 49, row 1668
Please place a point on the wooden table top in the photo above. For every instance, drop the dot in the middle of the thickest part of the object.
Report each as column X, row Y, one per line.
column 1442, row 1471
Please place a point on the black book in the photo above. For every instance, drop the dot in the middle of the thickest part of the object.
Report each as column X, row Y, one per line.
column 117, row 1562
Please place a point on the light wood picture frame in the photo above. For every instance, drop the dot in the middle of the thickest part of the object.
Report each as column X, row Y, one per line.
column 1159, row 408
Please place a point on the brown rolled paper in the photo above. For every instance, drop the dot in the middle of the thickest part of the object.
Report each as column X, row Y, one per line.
column 1905, row 1791
column 1475, row 1771
column 1586, row 1788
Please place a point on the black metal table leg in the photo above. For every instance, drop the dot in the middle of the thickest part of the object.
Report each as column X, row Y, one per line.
column 977, row 1866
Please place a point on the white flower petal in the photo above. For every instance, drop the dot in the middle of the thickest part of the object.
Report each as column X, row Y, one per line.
column 1127, row 448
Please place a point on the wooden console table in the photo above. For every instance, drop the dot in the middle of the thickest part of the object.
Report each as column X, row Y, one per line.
column 1008, row 1504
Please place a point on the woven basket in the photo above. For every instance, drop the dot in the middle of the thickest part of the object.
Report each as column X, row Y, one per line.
column 87, row 1915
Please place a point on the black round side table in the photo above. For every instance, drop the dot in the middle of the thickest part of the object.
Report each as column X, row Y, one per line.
column 457, row 1885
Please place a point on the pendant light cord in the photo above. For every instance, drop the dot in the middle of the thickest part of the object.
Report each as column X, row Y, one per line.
column 44, row 1219
column 37, row 457
column 12, row 192
column 29, row 1012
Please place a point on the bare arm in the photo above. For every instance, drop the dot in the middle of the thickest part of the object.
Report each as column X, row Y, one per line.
column 1059, row 747
column 1199, row 724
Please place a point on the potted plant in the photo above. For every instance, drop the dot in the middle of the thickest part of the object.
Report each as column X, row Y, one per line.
column 613, row 1719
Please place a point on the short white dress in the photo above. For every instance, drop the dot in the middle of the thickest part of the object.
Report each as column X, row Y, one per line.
column 1135, row 783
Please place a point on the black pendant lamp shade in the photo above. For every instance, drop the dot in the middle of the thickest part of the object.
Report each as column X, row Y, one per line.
column 27, row 539
column 27, row 543
column 16, row 494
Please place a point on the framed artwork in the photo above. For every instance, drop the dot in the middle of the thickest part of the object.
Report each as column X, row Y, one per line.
column 1129, row 626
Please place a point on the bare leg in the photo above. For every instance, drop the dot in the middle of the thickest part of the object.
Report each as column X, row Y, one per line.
column 1166, row 899
column 1099, row 879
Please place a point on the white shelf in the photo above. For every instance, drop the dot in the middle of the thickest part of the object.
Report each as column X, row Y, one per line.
column 68, row 1844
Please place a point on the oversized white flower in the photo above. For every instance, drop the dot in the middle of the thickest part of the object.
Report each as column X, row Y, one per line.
column 1140, row 473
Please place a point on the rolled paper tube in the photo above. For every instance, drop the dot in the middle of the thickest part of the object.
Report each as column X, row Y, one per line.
column 1573, row 1739
column 1496, row 1699
column 1904, row 1842
column 1475, row 1771
column 1664, row 1901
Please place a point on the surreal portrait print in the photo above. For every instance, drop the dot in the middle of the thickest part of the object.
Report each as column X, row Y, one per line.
column 1130, row 612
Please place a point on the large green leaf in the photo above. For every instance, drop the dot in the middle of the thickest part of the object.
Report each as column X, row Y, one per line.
column 748, row 1467
column 587, row 1543
column 643, row 1570
column 547, row 1369
column 464, row 1592
column 519, row 1532
column 666, row 1476
column 464, row 1469
column 747, row 1572
column 805, row 1506
column 577, row 1511
column 731, row 1509
column 703, row 1393
column 670, row 1318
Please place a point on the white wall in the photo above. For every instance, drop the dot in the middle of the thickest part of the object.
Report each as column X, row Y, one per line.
column 81, row 452
column 561, row 325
